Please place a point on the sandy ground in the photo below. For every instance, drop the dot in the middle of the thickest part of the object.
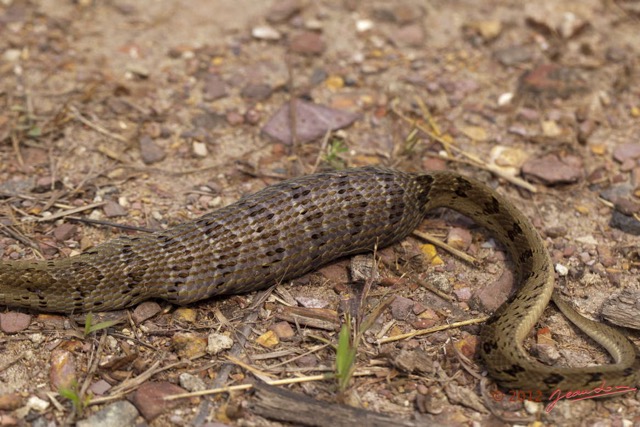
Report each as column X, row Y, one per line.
column 157, row 108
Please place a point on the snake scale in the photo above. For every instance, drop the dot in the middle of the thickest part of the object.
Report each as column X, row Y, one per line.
column 291, row 228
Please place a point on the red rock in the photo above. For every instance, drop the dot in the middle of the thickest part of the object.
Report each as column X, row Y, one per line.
column 283, row 330
column 492, row 296
column 64, row 232
column 307, row 43
column 553, row 170
column 149, row 398
column 630, row 150
column 11, row 401
column 112, row 209
column 12, row 322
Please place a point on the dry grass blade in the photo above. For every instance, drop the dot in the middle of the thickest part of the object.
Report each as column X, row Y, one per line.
column 432, row 330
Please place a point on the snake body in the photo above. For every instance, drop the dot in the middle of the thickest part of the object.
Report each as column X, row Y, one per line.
column 291, row 228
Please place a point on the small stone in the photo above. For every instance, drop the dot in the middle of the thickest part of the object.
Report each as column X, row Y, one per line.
column 200, row 149
column 401, row 308
column 265, row 32
column 553, row 170
column 234, row 118
column 459, row 238
column 492, row 296
column 150, row 400
column 561, row 270
column 556, row 231
column 185, row 314
column 410, row 35
column 629, row 150
column 463, row 294
column 605, row 256
column 307, row 43
column 100, row 387
column 12, row 55
column 150, row 152
column 188, row 344
column 64, row 232
column 62, row 373
column 121, row 413
column 218, row 342
column 311, row 302
column 514, row 55
column 550, row 129
column 112, row 209
column 256, row 92
column 144, row 311
column 191, row 382
column 282, row 10
column 12, row 322
column 283, row 330
column 37, row 404
column 214, row 88
column 10, row 401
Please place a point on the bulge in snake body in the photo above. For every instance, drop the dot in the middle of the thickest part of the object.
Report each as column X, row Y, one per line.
column 291, row 228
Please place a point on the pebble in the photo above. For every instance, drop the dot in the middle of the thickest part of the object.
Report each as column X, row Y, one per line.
column 100, row 387
column 199, row 149
column 10, row 401
column 514, row 55
column 112, row 209
column 234, row 118
column 265, row 32
column 409, row 36
column 150, row 152
column 401, row 308
column 492, row 296
column 256, row 92
column 189, row 344
column 144, row 311
column 561, row 270
column 307, row 43
column 283, row 10
column 218, row 342
column 117, row 414
column 626, row 223
column 551, row 81
column 191, row 382
column 12, row 322
column 62, row 372
column 185, row 314
column 149, row 398
column 214, row 88
column 629, row 150
column 283, row 330
column 459, row 238
column 552, row 170
column 311, row 302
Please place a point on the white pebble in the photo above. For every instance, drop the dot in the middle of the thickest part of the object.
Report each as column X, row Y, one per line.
column 505, row 99
column 265, row 32
column 561, row 270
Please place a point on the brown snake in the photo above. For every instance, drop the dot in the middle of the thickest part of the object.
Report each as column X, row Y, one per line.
column 296, row 226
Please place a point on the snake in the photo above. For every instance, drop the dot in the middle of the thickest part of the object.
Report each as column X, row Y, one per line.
column 291, row 228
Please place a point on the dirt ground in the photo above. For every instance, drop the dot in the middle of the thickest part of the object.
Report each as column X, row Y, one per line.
column 151, row 113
